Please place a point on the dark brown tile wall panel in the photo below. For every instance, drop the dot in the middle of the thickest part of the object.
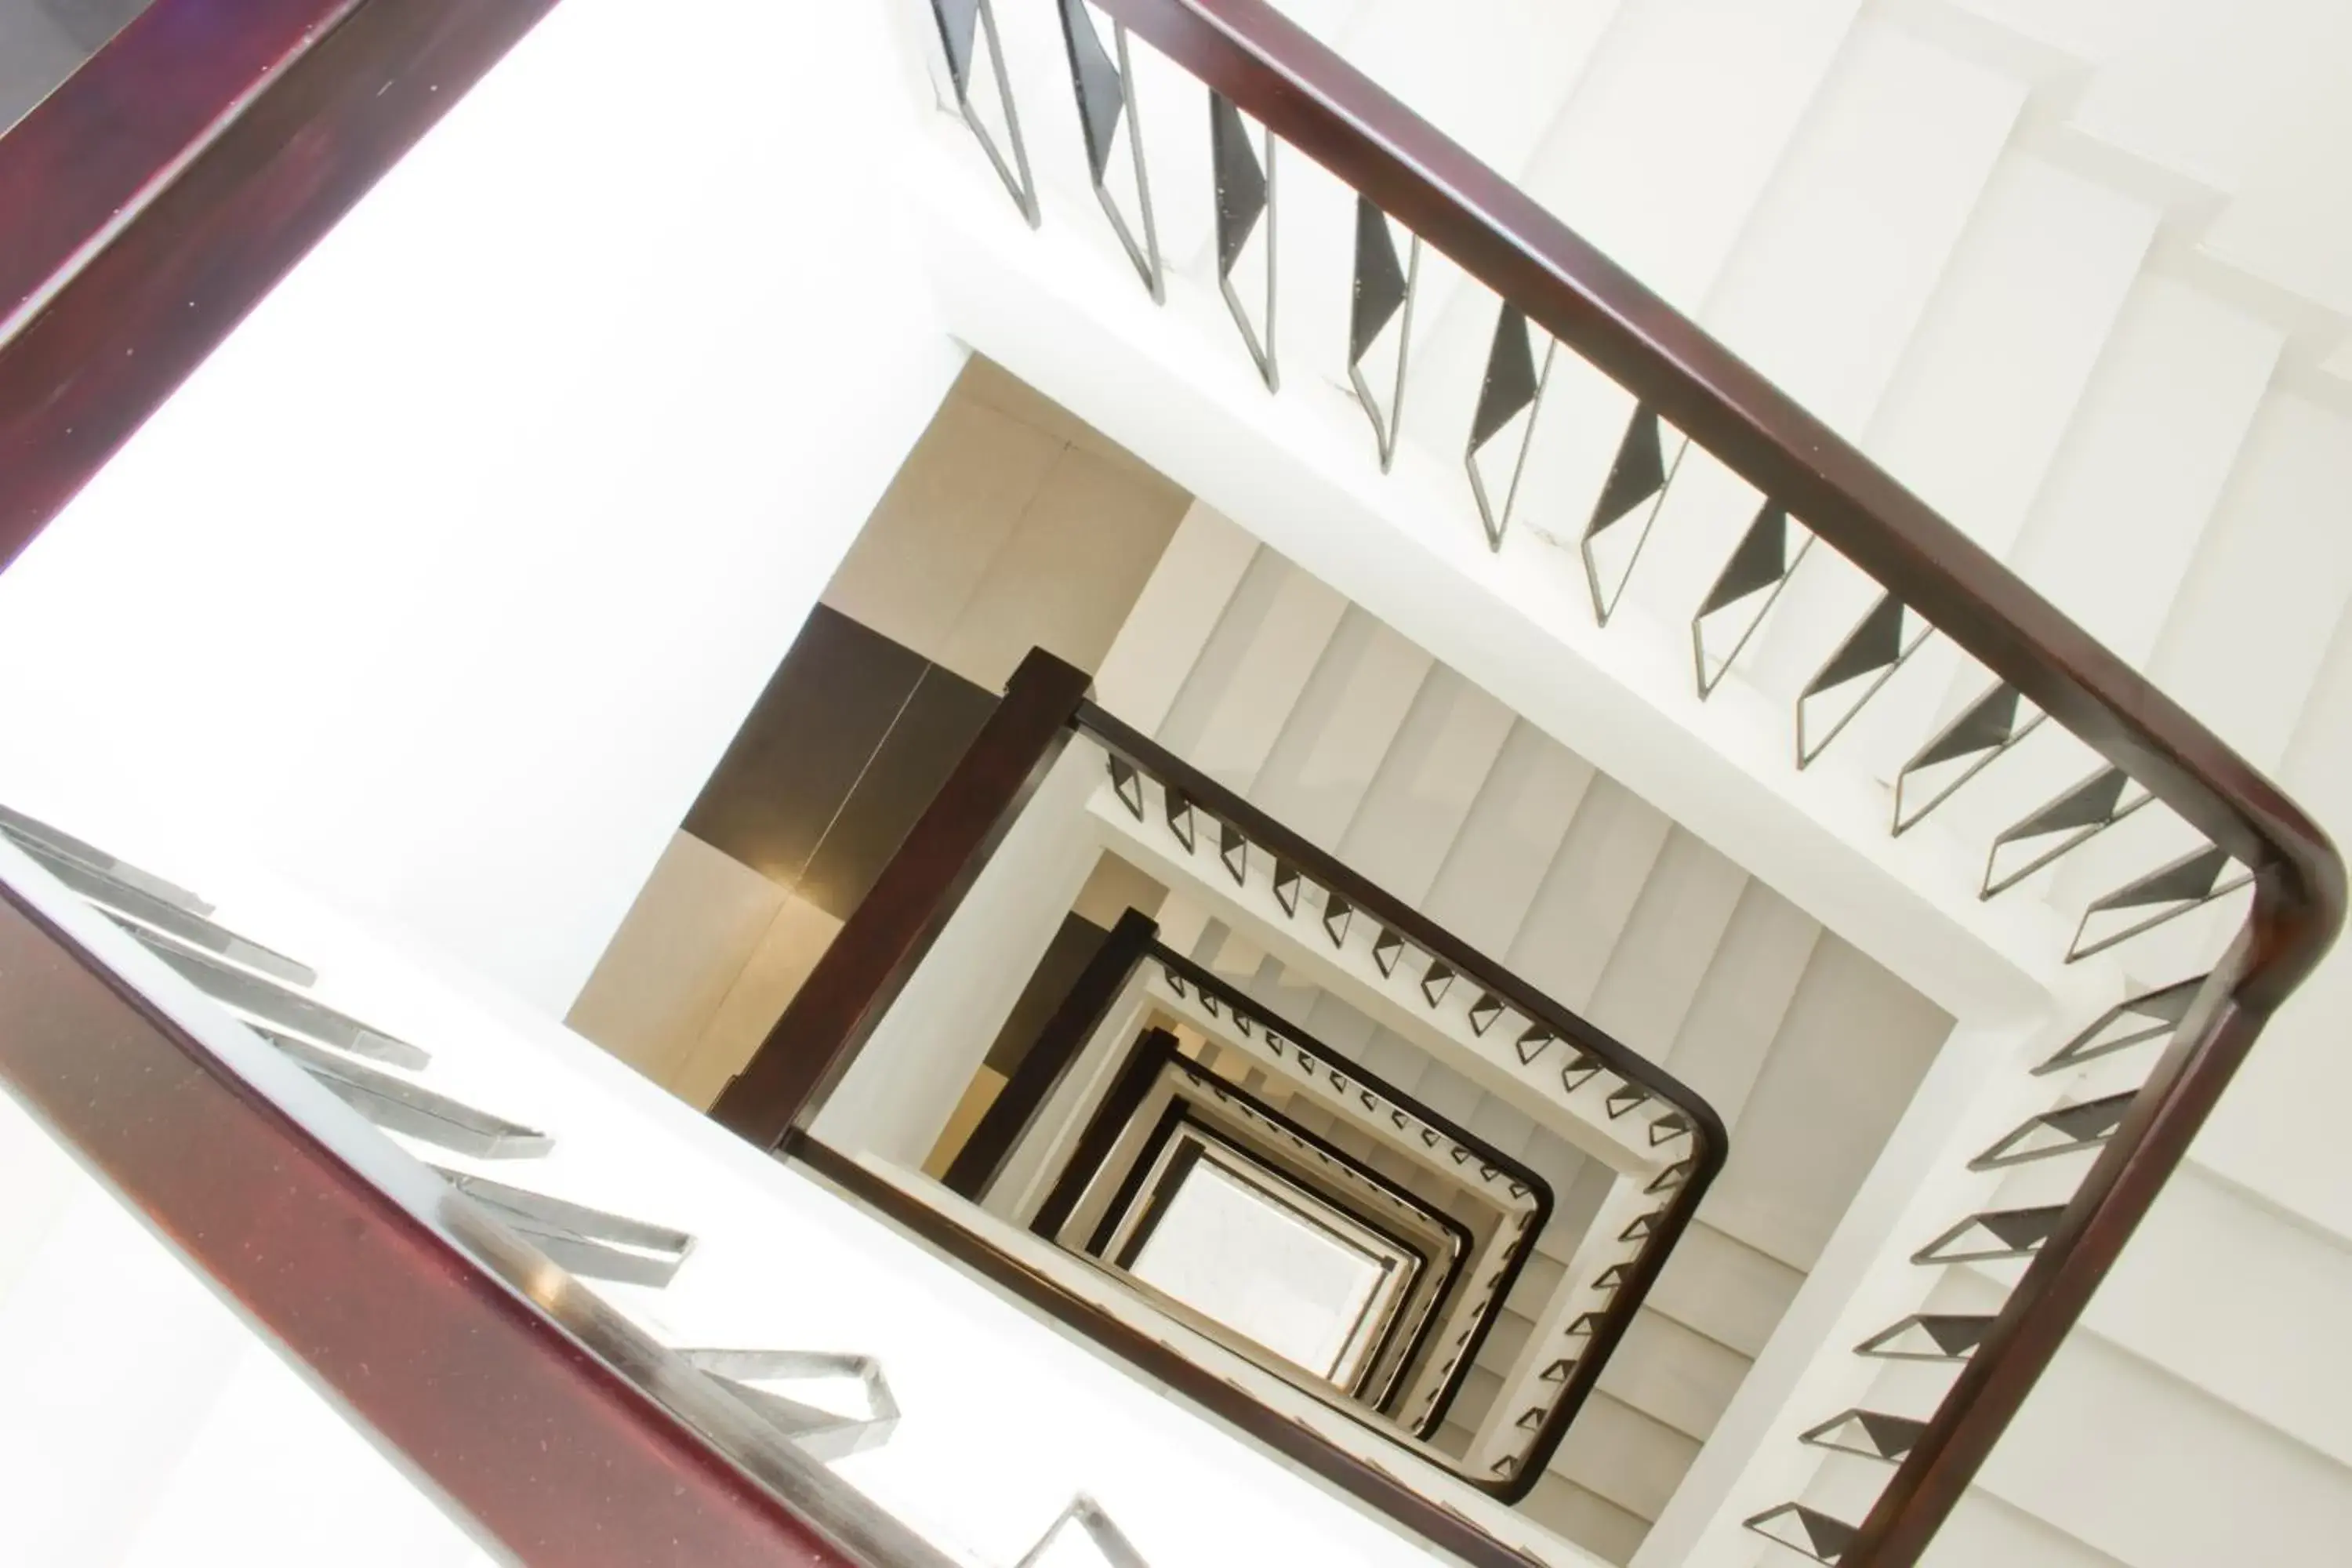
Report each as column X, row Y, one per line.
column 805, row 745
column 850, row 740
column 930, row 733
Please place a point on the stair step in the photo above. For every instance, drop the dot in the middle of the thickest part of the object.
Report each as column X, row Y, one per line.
column 2158, row 428
column 1586, row 1517
column 1426, row 786
column 1675, row 1375
column 1735, row 1015
column 1477, row 1400
column 2284, row 1496
column 2275, row 1132
column 1854, row 1037
column 1345, row 724
column 1724, row 1290
column 1249, row 677
column 1986, row 392
column 1985, row 1533
column 1660, row 960
column 1174, row 617
column 2242, row 640
column 1590, row 887
column 1514, row 828
column 1838, row 265
column 1632, row 1459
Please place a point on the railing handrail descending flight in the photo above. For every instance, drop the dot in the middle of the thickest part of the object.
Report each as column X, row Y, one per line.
column 1256, row 63
column 215, row 182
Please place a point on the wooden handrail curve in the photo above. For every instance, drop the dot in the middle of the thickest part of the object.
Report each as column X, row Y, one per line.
column 224, row 165
column 1306, row 96
column 539, row 1414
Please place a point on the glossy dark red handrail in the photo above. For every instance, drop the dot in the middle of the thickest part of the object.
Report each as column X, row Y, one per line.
column 540, row 1414
column 83, row 164
column 1309, row 97
column 240, row 132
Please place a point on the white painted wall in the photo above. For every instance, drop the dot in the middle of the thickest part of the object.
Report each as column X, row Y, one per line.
column 443, row 584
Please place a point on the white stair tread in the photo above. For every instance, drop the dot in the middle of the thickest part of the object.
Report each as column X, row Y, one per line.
column 2276, row 1131
column 1681, row 117
column 1249, row 677
column 1986, row 1532
column 1673, row 1374
column 1558, row 1162
column 2160, row 428
column 2285, row 1360
column 1345, row 722
column 1741, row 999
column 1426, row 786
column 1851, row 1050
column 2157, row 1508
column 1173, row 618
column 1843, row 250
column 1989, row 385
column 1839, row 265
column 1586, row 1517
column 2251, row 624
column 1725, row 1289
column 1660, row 960
column 1591, row 886
column 1504, row 1125
column 1630, row 1459
column 1514, row 828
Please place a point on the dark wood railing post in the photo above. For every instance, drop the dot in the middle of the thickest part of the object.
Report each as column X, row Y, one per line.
column 1055, row 1050
column 877, row 949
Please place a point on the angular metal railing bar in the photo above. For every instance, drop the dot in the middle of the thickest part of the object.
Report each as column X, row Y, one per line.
column 821, row 1433
column 1752, row 578
column 1245, row 195
column 1753, row 575
column 397, row 1105
column 1105, row 94
column 2081, row 812
column 1932, row 580
column 963, row 23
column 1979, row 735
column 1512, row 387
column 1380, row 290
column 1638, row 480
column 1589, row 1051
column 1102, row 1532
column 1881, row 643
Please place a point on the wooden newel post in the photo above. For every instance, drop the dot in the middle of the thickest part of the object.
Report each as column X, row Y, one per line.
column 1058, row 1046
column 877, row 949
